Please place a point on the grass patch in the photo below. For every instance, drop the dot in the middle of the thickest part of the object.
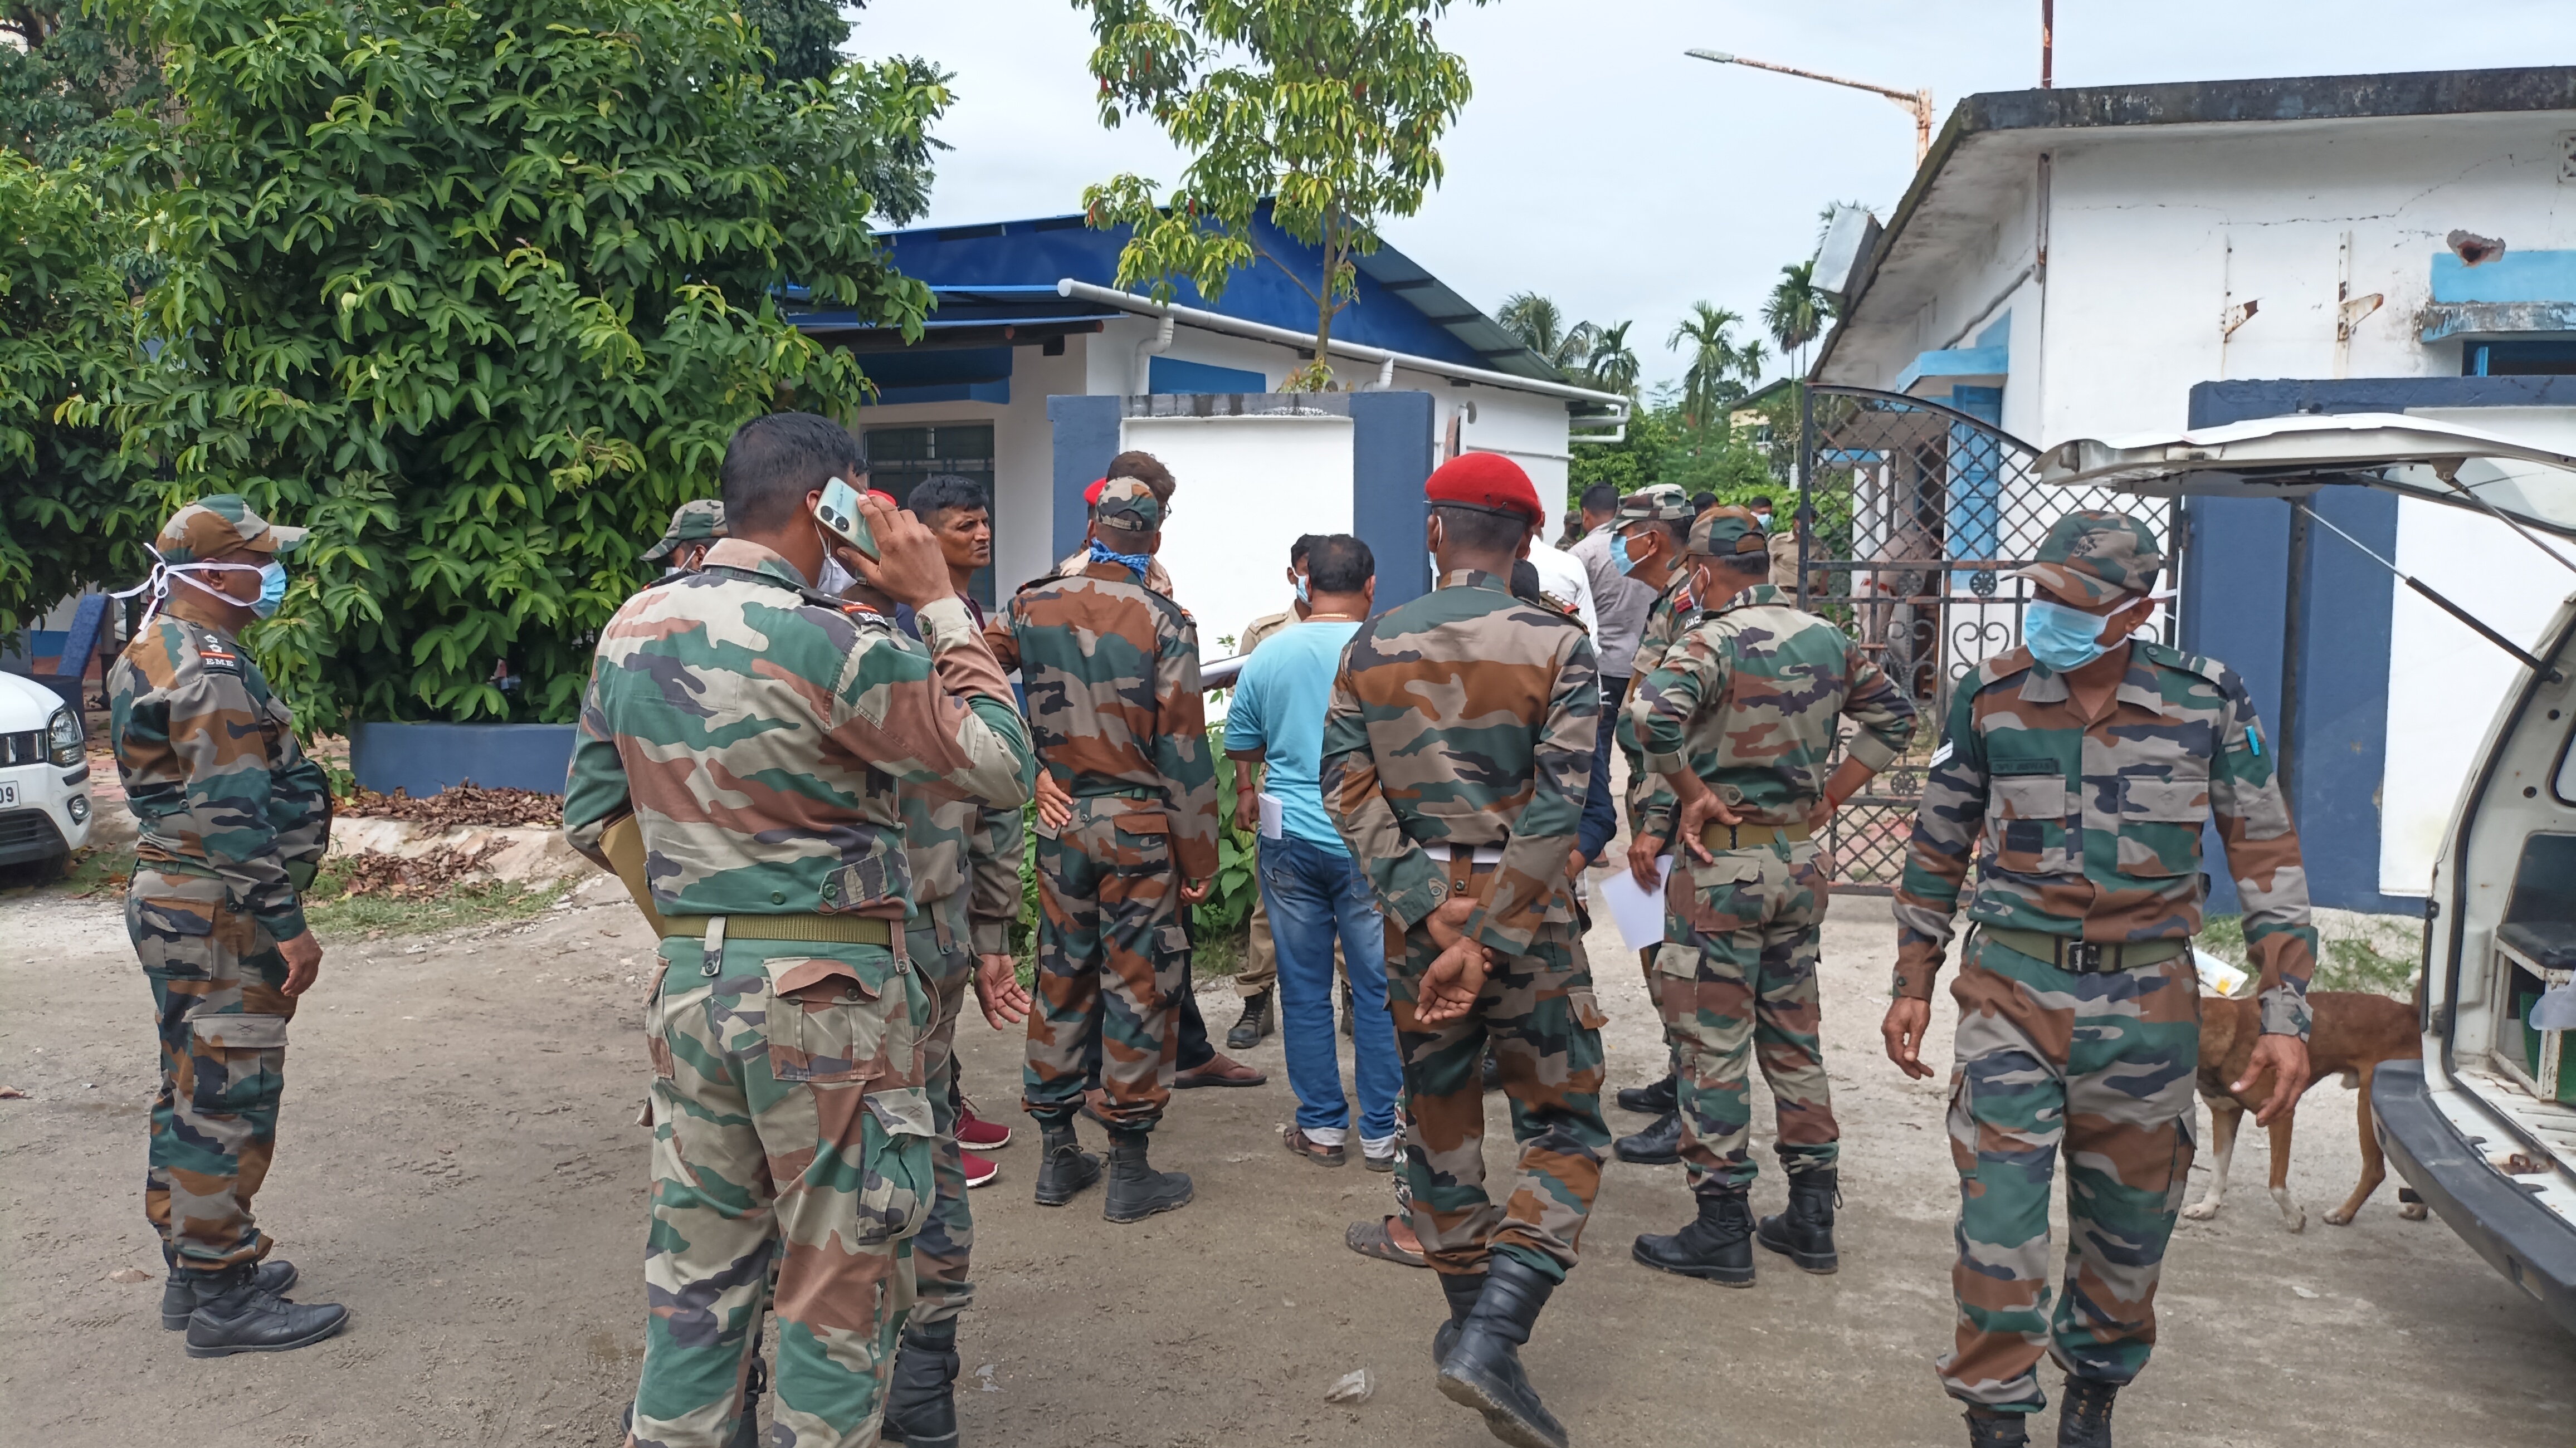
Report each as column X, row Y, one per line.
column 1220, row 958
column 331, row 910
column 2346, row 962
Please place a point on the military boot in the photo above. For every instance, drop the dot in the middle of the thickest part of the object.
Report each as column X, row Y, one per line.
column 1247, row 1032
column 1657, row 1145
column 1805, row 1233
column 2084, row 1413
column 1652, row 1100
column 1716, row 1247
column 1483, row 1368
column 1988, row 1429
column 179, row 1296
column 921, row 1407
column 1462, row 1291
column 1136, row 1190
column 234, row 1315
column 1064, row 1168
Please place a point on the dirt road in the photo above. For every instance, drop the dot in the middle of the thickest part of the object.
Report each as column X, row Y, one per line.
column 458, row 1164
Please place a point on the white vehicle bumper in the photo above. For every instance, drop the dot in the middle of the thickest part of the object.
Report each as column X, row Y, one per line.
column 51, row 814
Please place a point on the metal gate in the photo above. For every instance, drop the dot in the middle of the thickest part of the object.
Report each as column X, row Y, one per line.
column 1912, row 515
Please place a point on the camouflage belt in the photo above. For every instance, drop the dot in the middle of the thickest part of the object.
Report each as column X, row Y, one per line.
column 1738, row 837
column 842, row 929
column 2085, row 957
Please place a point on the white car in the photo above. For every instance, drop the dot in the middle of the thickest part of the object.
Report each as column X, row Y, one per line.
column 44, row 774
column 2483, row 1127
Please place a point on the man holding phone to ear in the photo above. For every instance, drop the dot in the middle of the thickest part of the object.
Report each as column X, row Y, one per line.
column 741, row 747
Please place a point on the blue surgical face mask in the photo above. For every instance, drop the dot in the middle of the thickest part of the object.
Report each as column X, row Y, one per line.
column 1302, row 595
column 2062, row 638
column 1619, row 558
column 272, row 589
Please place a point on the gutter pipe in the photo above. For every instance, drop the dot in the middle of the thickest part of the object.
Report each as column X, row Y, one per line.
column 1146, row 351
column 1387, row 361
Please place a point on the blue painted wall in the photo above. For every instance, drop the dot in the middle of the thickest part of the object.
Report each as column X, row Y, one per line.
column 2516, row 276
column 1391, row 458
column 422, row 759
column 1086, row 438
column 1172, row 374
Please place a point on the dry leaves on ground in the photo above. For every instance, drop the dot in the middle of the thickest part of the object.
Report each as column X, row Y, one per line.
column 463, row 804
column 377, row 873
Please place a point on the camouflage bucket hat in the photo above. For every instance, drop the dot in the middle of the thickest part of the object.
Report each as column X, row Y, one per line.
column 211, row 527
column 1724, row 532
column 2097, row 555
column 1662, row 503
column 698, row 522
column 1129, row 506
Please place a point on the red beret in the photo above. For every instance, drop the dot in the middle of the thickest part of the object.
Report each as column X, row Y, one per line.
column 1091, row 495
column 882, row 496
column 1484, row 480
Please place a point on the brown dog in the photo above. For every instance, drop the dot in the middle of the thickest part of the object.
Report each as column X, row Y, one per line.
column 2351, row 1033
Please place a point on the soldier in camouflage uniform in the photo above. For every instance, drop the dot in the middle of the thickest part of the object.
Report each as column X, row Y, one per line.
column 1457, row 753
column 1145, row 468
column 234, row 820
column 2078, row 771
column 1111, row 668
column 1739, row 720
column 738, row 756
column 695, row 528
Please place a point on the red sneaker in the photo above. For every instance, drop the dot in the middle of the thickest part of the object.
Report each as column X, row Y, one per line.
column 975, row 1132
column 978, row 1169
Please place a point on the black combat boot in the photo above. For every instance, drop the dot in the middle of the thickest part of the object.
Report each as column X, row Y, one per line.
column 1064, row 1168
column 1136, row 1190
column 1716, row 1247
column 1462, row 1291
column 1805, row 1232
column 755, row 1381
column 1653, row 1100
column 234, row 1315
column 1989, row 1429
column 1247, row 1033
column 921, row 1407
column 1657, row 1145
column 1492, row 1070
column 2084, row 1413
column 1483, row 1369
column 179, row 1296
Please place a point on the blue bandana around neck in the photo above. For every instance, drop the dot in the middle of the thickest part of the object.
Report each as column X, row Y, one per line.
column 1136, row 563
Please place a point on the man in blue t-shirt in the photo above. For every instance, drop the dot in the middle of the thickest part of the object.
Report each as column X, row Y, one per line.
column 1312, row 887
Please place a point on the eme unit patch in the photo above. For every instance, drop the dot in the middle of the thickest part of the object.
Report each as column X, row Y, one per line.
column 216, row 656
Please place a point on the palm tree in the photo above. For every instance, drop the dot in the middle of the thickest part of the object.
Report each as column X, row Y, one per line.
column 1796, row 311
column 1611, row 365
column 1709, row 385
column 1540, row 326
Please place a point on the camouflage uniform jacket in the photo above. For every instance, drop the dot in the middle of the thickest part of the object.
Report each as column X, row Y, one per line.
column 1750, row 700
column 1111, row 669
column 1078, row 562
column 211, row 769
column 962, row 844
column 1667, row 619
column 2092, row 830
column 759, row 732
column 1465, row 717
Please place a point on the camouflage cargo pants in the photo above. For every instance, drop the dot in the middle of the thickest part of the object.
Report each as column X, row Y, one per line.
column 216, row 983
column 942, row 951
column 1112, row 957
column 2100, row 1068
column 791, row 1145
column 1537, row 1011
column 1738, row 977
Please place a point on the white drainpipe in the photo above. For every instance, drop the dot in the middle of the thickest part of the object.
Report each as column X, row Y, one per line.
column 1146, row 351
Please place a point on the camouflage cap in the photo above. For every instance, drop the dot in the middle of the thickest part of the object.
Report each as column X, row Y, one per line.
column 211, row 527
column 2097, row 555
column 1662, row 503
column 698, row 522
column 1723, row 532
column 1129, row 506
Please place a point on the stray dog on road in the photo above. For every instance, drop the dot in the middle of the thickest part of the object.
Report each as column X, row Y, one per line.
column 2351, row 1033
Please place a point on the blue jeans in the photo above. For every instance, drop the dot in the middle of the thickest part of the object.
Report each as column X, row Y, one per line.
column 1314, row 894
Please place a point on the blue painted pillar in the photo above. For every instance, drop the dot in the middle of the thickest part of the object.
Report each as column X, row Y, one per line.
column 1086, row 438
column 1391, row 458
column 1975, row 523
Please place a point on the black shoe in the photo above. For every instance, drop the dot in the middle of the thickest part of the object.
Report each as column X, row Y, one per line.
column 1350, row 1014
column 1805, row 1232
column 1483, row 1368
column 179, row 1296
column 1493, row 1073
column 1652, row 1100
column 746, row 1429
column 2084, row 1413
column 1064, row 1168
column 1715, row 1247
column 234, row 1315
column 1247, row 1033
column 921, row 1406
column 1997, row 1430
column 1136, row 1190
column 1657, row 1145
column 1462, row 1292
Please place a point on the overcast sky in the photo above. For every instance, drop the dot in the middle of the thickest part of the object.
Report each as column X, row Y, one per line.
column 1599, row 165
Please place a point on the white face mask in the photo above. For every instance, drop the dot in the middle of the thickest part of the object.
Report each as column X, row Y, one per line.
column 836, row 580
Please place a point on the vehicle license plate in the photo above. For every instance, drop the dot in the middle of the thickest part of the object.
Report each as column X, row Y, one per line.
column 8, row 796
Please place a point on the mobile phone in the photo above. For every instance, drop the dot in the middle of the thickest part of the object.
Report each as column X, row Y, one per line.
column 839, row 512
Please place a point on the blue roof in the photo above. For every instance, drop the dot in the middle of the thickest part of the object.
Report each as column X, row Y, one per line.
column 1401, row 307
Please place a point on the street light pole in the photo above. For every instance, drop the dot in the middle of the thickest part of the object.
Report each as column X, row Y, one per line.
column 2047, row 44
column 1917, row 103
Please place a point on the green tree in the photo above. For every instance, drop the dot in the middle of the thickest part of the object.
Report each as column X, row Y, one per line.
column 1796, row 311
column 1719, row 366
column 1329, row 112
column 1540, row 326
column 65, row 76
column 804, row 40
column 477, row 290
column 1611, row 364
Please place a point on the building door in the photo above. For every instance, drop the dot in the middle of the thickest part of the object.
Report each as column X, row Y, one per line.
column 1912, row 517
column 899, row 458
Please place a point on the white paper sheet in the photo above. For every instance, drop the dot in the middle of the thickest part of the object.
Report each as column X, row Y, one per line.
column 1274, row 817
column 1639, row 916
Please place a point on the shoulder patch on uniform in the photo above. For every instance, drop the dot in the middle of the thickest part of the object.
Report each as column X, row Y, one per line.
column 216, row 656
column 1941, row 756
column 2174, row 658
column 2012, row 663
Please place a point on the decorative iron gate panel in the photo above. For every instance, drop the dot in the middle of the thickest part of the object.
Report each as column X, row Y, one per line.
column 1913, row 516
